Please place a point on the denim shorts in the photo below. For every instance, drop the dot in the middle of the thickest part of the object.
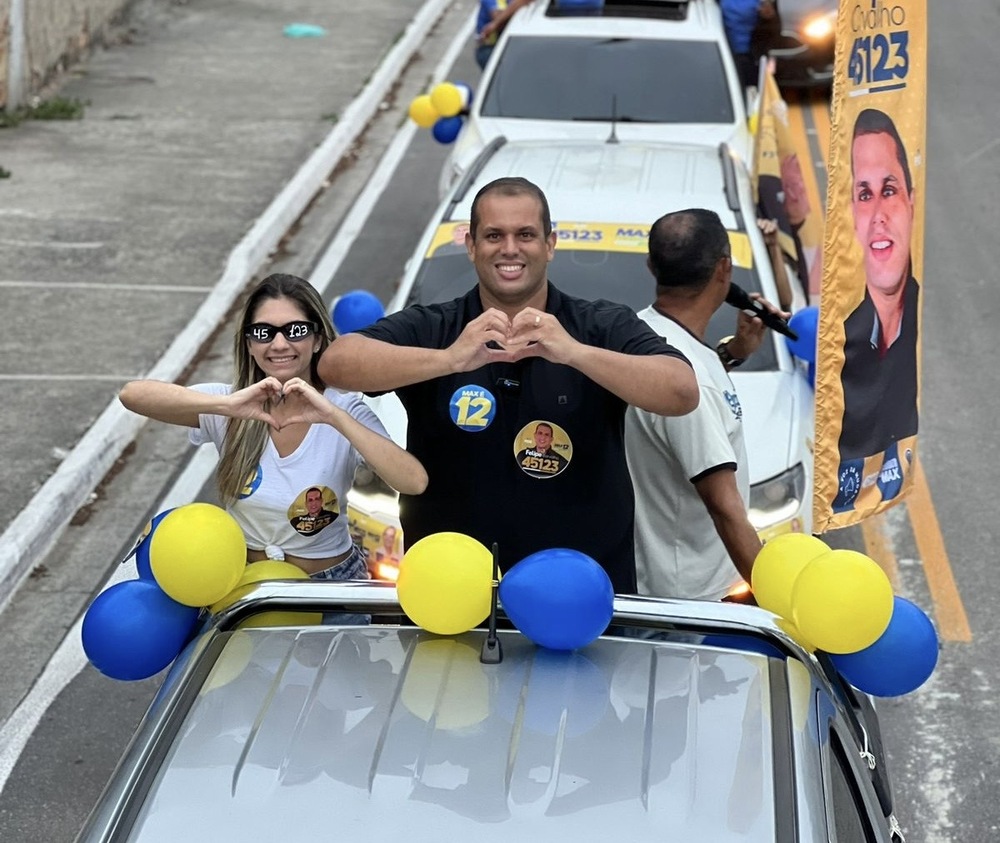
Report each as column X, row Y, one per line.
column 354, row 567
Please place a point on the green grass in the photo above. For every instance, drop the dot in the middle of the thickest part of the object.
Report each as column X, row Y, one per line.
column 57, row 108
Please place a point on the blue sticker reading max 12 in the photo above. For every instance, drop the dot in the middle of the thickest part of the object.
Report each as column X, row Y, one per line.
column 472, row 408
column 879, row 60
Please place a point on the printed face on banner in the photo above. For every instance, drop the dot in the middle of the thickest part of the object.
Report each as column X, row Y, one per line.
column 882, row 203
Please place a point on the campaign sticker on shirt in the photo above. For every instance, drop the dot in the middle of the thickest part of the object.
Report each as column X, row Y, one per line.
column 472, row 408
column 542, row 449
column 313, row 510
column 253, row 481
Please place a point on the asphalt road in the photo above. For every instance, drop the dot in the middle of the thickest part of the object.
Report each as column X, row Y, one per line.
column 943, row 741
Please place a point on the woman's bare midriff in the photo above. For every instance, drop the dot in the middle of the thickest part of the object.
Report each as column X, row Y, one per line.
column 310, row 566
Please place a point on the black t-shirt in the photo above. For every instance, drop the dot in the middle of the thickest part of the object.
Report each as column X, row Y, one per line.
column 880, row 392
column 468, row 429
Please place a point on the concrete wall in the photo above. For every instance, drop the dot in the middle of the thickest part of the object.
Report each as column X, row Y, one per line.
column 56, row 33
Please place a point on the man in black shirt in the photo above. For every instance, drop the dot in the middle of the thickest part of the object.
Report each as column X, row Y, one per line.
column 472, row 373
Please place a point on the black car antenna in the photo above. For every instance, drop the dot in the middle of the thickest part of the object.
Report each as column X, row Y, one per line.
column 613, row 137
column 492, row 652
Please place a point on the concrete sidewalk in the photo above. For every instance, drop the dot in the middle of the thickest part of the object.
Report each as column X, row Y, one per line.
column 126, row 236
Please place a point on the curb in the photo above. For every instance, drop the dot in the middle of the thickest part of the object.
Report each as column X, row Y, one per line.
column 32, row 535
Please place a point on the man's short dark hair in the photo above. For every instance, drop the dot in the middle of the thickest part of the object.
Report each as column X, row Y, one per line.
column 871, row 121
column 511, row 186
column 684, row 248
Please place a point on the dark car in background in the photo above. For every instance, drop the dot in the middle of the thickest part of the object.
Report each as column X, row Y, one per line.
column 802, row 44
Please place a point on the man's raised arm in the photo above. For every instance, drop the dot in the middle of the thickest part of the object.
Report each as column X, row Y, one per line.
column 363, row 364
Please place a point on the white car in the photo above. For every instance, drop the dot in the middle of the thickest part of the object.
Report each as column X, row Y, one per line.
column 603, row 198
column 639, row 71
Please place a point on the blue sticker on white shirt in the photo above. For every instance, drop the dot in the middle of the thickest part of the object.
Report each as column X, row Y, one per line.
column 472, row 408
column 733, row 400
column 252, row 483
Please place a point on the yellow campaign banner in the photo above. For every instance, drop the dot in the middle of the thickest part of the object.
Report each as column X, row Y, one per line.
column 868, row 348
column 779, row 184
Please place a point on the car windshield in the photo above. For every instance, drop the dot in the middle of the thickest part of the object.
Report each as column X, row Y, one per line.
column 641, row 80
column 588, row 274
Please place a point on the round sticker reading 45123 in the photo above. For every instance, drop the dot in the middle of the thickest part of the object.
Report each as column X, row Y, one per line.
column 472, row 407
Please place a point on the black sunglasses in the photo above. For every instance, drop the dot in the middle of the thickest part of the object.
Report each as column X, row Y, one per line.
column 262, row 332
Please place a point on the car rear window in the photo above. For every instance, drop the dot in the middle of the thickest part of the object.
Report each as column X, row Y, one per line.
column 319, row 733
column 588, row 274
column 641, row 80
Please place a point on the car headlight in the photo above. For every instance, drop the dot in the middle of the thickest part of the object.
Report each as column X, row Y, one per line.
column 821, row 27
column 777, row 500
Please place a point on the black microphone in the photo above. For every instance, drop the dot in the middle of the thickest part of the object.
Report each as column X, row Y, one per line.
column 739, row 298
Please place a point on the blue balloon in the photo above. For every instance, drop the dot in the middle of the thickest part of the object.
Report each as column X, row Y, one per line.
column 134, row 630
column 356, row 310
column 446, row 129
column 805, row 323
column 559, row 598
column 142, row 549
column 900, row 661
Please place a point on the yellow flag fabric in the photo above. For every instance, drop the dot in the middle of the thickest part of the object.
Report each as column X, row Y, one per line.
column 868, row 357
column 775, row 154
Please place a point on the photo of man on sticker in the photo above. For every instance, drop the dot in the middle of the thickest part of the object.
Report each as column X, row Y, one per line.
column 542, row 458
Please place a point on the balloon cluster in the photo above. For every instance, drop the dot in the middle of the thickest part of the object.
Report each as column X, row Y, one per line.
column 560, row 599
column 188, row 558
column 441, row 110
column 841, row 601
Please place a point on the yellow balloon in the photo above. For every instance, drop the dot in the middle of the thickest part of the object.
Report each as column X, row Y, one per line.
column 423, row 112
column 446, row 99
column 446, row 681
column 445, row 583
column 842, row 601
column 197, row 554
column 777, row 565
column 268, row 569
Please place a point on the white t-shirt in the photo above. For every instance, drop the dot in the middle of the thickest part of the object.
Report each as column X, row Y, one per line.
column 297, row 503
column 678, row 552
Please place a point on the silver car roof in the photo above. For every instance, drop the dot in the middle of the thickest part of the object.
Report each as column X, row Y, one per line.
column 396, row 729
column 359, row 732
column 623, row 182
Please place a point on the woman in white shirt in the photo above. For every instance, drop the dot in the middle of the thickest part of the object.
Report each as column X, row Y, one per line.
column 288, row 446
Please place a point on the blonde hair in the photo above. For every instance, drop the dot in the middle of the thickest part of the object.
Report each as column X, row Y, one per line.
column 246, row 438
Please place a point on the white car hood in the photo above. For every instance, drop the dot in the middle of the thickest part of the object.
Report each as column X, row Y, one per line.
column 777, row 421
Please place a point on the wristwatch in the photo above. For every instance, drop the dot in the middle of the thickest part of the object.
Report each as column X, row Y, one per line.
column 722, row 349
